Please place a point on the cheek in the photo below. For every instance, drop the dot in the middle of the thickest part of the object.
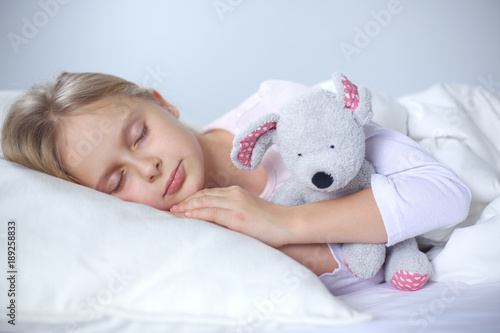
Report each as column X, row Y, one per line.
column 134, row 192
column 183, row 143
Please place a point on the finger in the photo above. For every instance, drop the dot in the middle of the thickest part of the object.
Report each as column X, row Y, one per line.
column 216, row 215
column 181, row 215
column 216, row 191
column 202, row 201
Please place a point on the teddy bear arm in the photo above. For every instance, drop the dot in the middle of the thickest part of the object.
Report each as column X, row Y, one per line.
column 407, row 268
column 364, row 260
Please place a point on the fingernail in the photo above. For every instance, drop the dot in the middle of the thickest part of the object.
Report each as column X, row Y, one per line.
column 174, row 208
column 187, row 213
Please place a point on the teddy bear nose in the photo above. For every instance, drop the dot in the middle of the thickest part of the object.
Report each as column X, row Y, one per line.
column 322, row 180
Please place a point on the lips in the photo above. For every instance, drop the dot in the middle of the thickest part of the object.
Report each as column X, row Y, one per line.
column 174, row 180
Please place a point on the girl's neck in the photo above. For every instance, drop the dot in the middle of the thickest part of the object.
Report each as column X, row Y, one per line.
column 220, row 170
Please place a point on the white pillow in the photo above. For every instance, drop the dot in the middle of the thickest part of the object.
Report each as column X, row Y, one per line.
column 88, row 262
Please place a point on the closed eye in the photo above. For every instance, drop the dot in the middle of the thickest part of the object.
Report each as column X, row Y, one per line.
column 120, row 182
column 142, row 135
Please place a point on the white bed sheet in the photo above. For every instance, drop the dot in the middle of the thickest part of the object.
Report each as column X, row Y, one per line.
column 439, row 307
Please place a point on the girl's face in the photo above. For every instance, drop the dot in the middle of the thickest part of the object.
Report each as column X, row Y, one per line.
column 134, row 149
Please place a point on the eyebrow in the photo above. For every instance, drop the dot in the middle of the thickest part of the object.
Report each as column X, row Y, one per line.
column 128, row 121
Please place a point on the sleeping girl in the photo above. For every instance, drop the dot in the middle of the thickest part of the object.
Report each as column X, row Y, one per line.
column 109, row 134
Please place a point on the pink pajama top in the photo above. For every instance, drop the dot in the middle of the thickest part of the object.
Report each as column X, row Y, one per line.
column 414, row 193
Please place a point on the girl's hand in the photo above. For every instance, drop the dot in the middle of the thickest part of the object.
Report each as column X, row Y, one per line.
column 241, row 211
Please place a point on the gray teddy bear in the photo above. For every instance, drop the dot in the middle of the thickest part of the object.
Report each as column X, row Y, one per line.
column 321, row 140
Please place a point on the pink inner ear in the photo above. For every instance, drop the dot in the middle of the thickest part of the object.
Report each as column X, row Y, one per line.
column 351, row 94
column 248, row 143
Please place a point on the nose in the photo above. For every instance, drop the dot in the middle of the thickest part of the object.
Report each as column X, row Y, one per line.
column 322, row 180
column 149, row 168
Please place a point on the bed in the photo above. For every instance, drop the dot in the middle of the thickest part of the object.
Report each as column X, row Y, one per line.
column 76, row 260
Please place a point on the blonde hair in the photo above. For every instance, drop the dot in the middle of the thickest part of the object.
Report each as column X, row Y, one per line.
column 30, row 131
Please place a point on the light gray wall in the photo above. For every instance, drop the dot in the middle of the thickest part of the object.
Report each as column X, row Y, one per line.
column 206, row 56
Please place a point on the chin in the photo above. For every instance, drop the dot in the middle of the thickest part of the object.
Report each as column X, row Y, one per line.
column 184, row 192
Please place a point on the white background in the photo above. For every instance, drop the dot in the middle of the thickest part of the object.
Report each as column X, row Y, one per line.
column 206, row 56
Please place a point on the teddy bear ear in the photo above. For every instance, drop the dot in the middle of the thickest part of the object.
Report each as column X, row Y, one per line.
column 250, row 145
column 357, row 100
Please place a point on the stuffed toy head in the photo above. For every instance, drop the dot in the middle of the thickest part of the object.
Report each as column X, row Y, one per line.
column 320, row 136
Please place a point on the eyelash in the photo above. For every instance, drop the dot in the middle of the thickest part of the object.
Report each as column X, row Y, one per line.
column 143, row 134
column 120, row 181
column 140, row 138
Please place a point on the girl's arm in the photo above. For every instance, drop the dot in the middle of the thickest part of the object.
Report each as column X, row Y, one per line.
column 353, row 218
column 411, row 194
column 414, row 193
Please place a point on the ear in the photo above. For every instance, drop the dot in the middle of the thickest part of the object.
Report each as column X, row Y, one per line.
column 164, row 104
column 250, row 145
column 357, row 100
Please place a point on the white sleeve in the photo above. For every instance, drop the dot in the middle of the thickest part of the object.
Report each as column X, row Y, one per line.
column 414, row 193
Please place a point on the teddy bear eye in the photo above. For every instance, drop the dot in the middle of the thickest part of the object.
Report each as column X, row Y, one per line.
column 299, row 154
column 332, row 146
